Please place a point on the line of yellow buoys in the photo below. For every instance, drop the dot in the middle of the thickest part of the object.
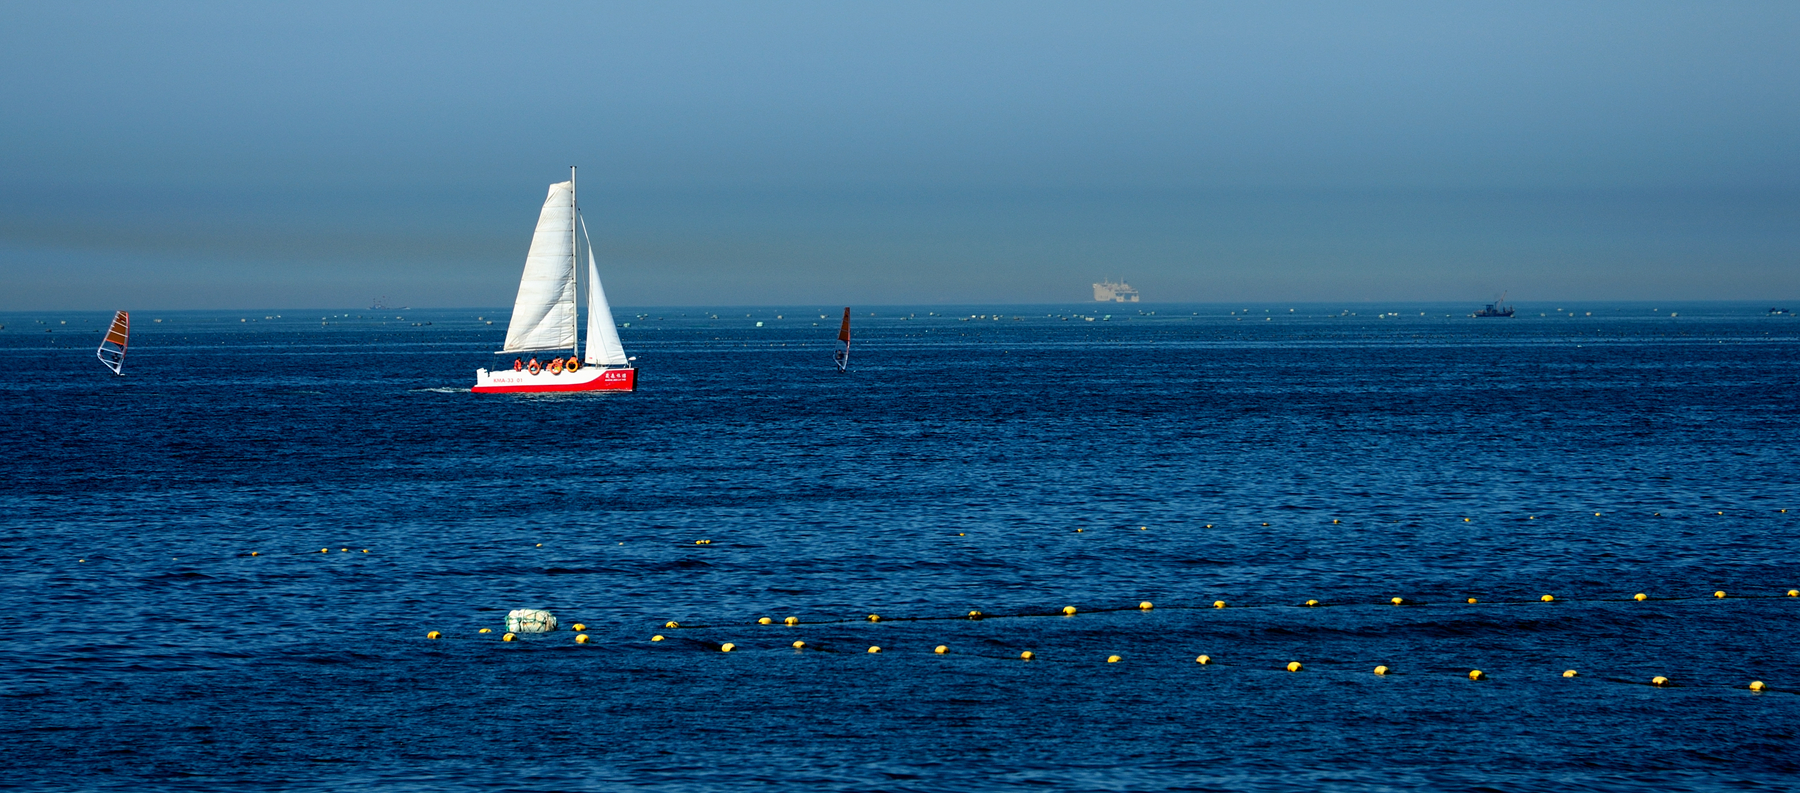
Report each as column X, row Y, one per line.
column 1070, row 611
column 1203, row 660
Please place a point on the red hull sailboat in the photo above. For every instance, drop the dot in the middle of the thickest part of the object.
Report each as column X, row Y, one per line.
column 545, row 314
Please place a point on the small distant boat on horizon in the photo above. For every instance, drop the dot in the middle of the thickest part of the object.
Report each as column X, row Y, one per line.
column 842, row 356
column 112, row 346
column 1498, row 308
column 545, row 314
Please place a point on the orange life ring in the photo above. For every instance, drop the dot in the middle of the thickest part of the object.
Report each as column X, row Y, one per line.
column 533, row 366
column 556, row 366
column 573, row 366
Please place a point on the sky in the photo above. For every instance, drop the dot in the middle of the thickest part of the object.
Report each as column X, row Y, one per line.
column 317, row 155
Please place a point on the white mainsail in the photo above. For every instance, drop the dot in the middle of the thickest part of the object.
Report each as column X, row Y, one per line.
column 604, row 347
column 544, row 315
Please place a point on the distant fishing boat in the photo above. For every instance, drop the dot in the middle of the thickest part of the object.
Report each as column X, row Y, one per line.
column 112, row 347
column 545, row 314
column 843, row 351
column 1498, row 308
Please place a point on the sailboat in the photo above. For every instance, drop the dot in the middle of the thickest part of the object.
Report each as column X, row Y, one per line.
column 545, row 315
column 843, row 352
column 112, row 347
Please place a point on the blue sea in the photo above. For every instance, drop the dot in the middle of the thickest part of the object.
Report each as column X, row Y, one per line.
column 221, row 568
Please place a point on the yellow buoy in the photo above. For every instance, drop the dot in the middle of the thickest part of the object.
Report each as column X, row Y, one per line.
column 1028, row 655
column 1398, row 601
column 1659, row 680
column 1218, row 604
column 1596, row 514
column 433, row 635
column 324, row 550
column 656, row 638
column 765, row 621
column 344, row 550
column 508, row 637
column 1719, row 594
column 1312, row 602
column 799, row 644
column 1334, row 520
column 540, row 545
column 1146, row 605
column 485, row 630
column 1068, row 611
column 1381, row 670
column 578, row 627
column 1548, row 598
column 1794, row 593
column 940, row 649
column 671, row 624
column 1143, row 528
column 1112, row 659
column 253, row 553
column 1203, row 660
column 1209, row 525
column 1476, row 674
column 874, row 617
column 792, row 620
column 1465, row 520
column 1568, row 673
column 874, row 649
column 1756, row 685
column 1293, row 666
column 975, row 615
column 365, row 550
column 1472, row 600
column 1077, row 531
column 1640, row 597
column 727, row 647
column 1265, row 524
column 581, row 638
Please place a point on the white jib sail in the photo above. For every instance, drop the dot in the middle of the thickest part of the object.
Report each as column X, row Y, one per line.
column 544, row 317
column 604, row 347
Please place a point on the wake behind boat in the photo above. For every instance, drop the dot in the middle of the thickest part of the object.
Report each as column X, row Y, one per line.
column 545, row 314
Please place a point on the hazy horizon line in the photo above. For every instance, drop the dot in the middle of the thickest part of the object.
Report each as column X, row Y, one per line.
column 1735, row 302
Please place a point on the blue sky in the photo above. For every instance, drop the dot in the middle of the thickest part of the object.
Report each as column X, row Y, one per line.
column 237, row 155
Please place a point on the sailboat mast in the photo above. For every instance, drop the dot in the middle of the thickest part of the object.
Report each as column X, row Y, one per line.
column 575, row 261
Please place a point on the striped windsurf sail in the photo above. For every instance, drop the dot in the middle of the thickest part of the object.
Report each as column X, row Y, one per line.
column 112, row 348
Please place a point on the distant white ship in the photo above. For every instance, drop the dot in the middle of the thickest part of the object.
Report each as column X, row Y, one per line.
column 1114, row 292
